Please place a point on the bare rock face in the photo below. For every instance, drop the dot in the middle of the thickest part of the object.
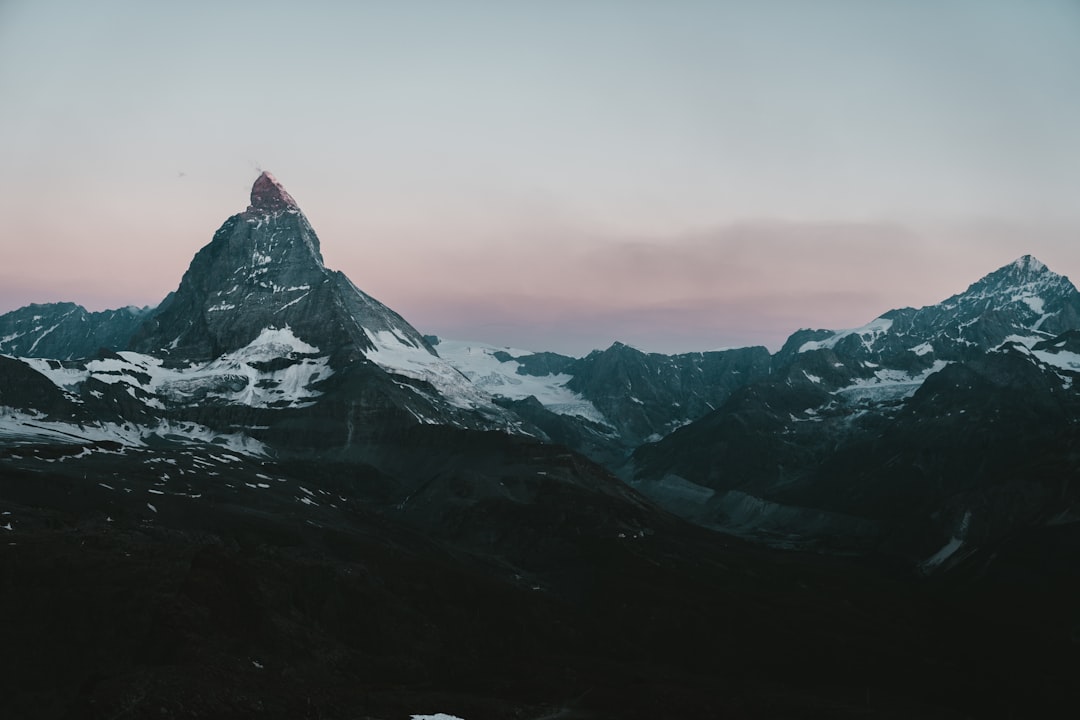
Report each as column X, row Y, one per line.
column 268, row 194
column 648, row 395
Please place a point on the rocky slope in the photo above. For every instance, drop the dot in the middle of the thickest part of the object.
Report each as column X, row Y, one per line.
column 67, row 331
column 261, row 346
column 611, row 401
column 484, row 576
column 913, row 432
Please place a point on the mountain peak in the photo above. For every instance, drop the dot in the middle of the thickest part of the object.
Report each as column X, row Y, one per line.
column 268, row 194
column 1026, row 271
column 1029, row 263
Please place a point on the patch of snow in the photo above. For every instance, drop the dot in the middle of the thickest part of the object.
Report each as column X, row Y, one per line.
column 20, row 427
column 943, row 554
column 868, row 334
column 888, row 384
column 401, row 357
column 1035, row 303
column 292, row 302
column 231, row 378
column 924, row 349
column 1039, row 323
column 42, row 336
column 1061, row 359
column 1026, row 340
column 478, row 363
column 397, row 355
column 1029, row 262
column 65, row 378
column 950, row 548
column 811, row 378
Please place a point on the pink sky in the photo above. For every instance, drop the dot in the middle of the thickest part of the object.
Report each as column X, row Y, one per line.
column 548, row 284
column 677, row 176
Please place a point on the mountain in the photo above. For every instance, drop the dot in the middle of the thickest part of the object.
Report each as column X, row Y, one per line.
column 1023, row 301
column 614, row 401
column 277, row 499
column 611, row 401
column 646, row 396
column 263, row 272
column 262, row 346
column 897, row 434
column 67, row 331
column 264, row 269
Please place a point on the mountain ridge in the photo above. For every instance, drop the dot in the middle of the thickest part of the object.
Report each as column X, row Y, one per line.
column 302, row 511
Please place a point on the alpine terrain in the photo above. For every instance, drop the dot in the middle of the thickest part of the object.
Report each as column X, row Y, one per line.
column 272, row 497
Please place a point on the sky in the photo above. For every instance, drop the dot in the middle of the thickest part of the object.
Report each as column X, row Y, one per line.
column 558, row 175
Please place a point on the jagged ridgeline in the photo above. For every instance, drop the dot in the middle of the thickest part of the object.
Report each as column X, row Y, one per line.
column 258, row 329
column 264, row 269
column 271, row 496
column 266, row 350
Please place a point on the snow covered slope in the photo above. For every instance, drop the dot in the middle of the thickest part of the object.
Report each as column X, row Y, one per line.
column 498, row 371
column 276, row 369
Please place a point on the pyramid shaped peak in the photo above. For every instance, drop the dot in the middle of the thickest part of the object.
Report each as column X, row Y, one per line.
column 268, row 194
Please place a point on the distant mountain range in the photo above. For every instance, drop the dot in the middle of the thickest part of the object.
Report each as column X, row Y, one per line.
column 269, row 390
column 929, row 430
column 263, row 348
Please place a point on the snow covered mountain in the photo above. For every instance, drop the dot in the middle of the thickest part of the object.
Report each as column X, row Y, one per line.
column 1024, row 301
column 611, row 401
column 264, row 269
column 266, row 352
column 272, row 497
column 259, row 339
column 520, row 374
column 897, row 431
column 259, row 329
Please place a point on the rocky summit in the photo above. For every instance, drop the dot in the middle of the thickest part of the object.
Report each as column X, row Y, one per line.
column 264, row 269
column 272, row 497
column 267, row 194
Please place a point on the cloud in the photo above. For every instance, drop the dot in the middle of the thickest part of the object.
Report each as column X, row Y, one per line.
column 751, row 283
column 740, row 284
